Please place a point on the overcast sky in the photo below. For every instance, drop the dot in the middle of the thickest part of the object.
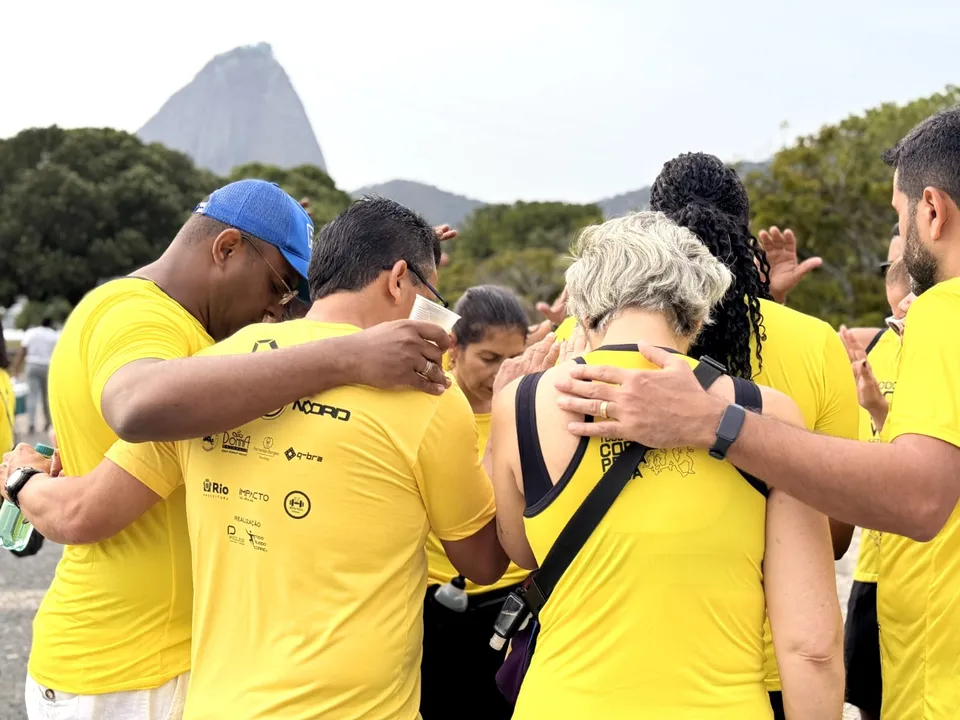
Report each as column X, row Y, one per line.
column 496, row 100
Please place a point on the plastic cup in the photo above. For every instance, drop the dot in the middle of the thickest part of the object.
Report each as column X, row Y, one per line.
column 428, row 311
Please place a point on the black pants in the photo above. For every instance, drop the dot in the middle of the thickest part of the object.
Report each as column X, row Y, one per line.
column 776, row 702
column 861, row 649
column 459, row 666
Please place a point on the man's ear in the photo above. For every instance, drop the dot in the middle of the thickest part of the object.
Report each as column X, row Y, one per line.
column 226, row 245
column 394, row 285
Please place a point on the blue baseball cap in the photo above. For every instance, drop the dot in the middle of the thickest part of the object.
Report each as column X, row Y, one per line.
column 262, row 209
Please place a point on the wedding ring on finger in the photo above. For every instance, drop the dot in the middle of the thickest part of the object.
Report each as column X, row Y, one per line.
column 426, row 370
column 603, row 410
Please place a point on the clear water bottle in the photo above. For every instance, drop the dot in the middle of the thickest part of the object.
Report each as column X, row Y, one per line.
column 453, row 595
column 15, row 529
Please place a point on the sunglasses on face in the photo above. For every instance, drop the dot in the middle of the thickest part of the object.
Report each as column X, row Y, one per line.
column 423, row 281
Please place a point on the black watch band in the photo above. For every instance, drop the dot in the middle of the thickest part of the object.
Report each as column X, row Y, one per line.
column 24, row 474
column 731, row 423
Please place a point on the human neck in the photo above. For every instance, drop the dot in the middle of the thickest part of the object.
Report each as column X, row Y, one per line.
column 632, row 326
column 349, row 308
column 178, row 274
column 479, row 405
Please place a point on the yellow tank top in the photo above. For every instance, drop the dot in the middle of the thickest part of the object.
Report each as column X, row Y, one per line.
column 884, row 359
column 661, row 613
column 440, row 569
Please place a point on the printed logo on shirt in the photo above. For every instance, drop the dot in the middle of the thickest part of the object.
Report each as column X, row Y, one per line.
column 208, row 443
column 308, row 407
column 235, row 443
column 252, row 496
column 292, row 454
column 265, row 449
column 264, row 345
column 273, row 415
column 247, row 521
column 297, row 505
column 233, row 537
column 257, row 542
column 215, row 489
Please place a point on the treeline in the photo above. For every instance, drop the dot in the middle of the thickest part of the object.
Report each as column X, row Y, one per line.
column 78, row 207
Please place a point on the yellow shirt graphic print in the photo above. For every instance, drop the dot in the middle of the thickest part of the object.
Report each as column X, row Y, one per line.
column 307, row 528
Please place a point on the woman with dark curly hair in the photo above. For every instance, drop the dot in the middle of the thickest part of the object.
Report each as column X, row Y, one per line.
column 751, row 334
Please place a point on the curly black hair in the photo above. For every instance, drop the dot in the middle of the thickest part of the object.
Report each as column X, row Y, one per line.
column 702, row 194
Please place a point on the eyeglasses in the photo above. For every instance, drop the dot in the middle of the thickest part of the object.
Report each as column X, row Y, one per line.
column 430, row 287
column 288, row 292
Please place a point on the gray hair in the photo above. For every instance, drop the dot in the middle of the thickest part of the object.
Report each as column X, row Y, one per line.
column 646, row 261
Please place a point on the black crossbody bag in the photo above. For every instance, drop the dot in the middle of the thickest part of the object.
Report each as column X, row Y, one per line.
column 527, row 600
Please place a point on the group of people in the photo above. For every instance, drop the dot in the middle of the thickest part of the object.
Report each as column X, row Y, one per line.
column 266, row 480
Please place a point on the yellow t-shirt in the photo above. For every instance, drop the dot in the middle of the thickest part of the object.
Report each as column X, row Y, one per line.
column 117, row 615
column 884, row 358
column 8, row 406
column 566, row 328
column 440, row 569
column 919, row 584
column 803, row 357
column 660, row 614
column 307, row 528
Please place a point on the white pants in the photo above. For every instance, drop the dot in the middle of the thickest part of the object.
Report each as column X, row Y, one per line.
column 162, row 703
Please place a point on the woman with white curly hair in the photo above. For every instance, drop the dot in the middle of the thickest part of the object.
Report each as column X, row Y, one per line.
column 660, row 614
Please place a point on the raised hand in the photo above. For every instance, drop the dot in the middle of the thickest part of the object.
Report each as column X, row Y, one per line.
column 785, row 271
column 869, row 394
column 555, row 312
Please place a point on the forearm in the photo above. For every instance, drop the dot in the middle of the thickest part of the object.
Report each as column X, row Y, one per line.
column 874, row 485
column 193, row 397
column 878, row 413
column 812, row 687
column 55, row 506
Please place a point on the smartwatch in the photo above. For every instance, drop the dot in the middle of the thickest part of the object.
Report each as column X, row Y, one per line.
column 731, row 423
column 17, row 479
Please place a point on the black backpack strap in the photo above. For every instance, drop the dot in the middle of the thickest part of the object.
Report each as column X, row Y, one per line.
column 708, row 371
column 747, row 395
column 536, row 479
column 539, row 585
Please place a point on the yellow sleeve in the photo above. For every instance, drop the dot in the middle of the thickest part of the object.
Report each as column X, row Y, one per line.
column 156, row 465
column 839, row 414
column 926, row 400
column 136, row 328
column 456, row 491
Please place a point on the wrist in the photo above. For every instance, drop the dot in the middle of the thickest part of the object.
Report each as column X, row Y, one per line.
column 705, row 429
column 337, row 365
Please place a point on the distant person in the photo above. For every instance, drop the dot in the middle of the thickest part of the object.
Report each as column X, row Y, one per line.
column 8, row 399
column 36, row 349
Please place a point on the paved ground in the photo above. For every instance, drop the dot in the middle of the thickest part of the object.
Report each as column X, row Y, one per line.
column 23, row 582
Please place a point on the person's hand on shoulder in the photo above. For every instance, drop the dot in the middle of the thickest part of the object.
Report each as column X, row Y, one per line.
column 401, row 354
column 540, row 356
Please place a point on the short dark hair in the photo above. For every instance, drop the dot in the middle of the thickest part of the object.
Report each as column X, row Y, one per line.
column 47, row 321
column 367, row 238
column 485, row 306
column 929, row 156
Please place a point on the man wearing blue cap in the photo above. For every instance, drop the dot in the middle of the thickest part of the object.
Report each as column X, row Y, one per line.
column 112, row 636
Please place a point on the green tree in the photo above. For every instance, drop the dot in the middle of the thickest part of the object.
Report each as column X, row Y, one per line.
column 834, row 191
column 305, row 181
column 81, row 206
column 34, row 313
column 523, row 246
